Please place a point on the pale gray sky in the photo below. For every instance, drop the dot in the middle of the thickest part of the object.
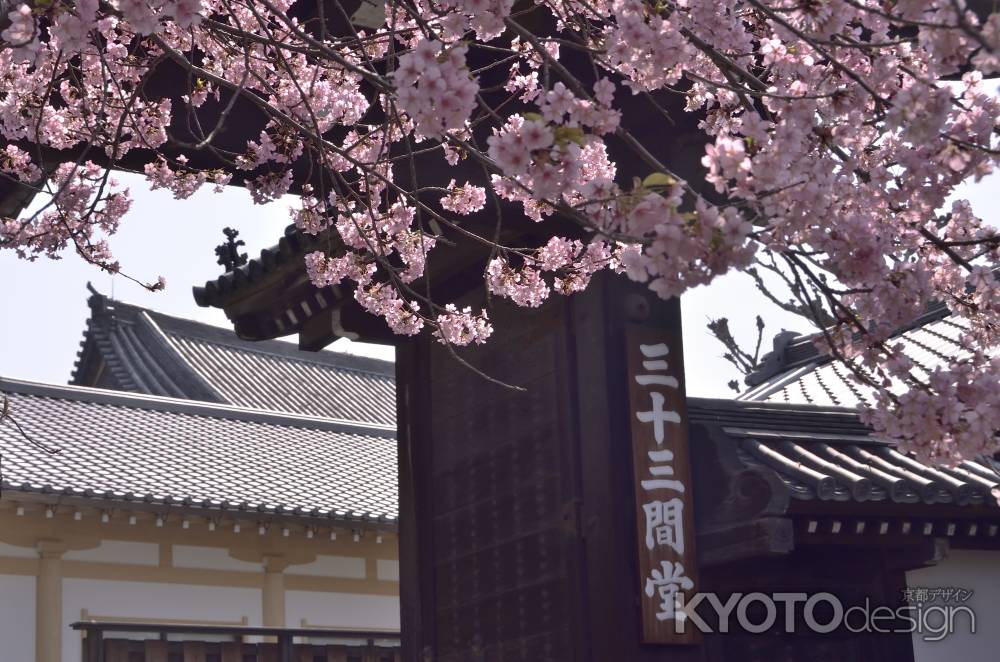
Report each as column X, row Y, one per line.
column 43, row 307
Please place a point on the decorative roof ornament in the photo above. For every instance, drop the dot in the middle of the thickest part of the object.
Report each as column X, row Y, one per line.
column 229, row 252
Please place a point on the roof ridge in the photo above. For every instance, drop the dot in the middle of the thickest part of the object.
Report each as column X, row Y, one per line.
column 192, row 407
column 161, row 337
column 168, row 324
column 292, row 356
column 732, row 404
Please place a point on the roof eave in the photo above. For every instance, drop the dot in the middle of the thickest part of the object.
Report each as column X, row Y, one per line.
column 48, row 496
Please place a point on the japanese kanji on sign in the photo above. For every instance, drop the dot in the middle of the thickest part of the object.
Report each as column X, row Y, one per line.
column 661, row 465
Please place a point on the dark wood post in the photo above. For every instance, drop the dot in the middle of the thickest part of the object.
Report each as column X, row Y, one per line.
column 518, row 522
column 286, row 651
column 95, row 645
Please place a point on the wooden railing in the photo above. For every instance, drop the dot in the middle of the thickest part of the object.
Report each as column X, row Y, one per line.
column 132, row 641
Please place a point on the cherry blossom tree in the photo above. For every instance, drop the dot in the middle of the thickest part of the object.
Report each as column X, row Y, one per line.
column 828, row 136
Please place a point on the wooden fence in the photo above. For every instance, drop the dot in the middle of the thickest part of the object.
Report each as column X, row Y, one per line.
column 106, row 641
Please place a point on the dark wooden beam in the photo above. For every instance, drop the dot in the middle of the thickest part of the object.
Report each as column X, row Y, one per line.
column 769, row 536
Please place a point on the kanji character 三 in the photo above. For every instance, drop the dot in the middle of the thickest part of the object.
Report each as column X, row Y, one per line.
column 661, row 467
column 657, row 415
column 653, row 354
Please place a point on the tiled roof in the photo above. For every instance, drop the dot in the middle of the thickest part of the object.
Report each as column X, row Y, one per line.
column 155, row 451
column 838, row 469
column 130, row 348
column 797, row 373
column 169, row 452
column 826, row 454
column 272, row 296
column 285, row 255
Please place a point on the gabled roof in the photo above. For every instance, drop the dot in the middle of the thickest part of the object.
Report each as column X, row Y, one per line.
column 130, row 348
column 827, row 454
column 151, row 451
column 796, row 372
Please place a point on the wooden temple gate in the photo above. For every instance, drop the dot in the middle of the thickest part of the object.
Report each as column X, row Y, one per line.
column 518, row 526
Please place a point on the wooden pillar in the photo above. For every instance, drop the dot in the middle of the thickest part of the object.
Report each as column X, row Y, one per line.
column 48, row 602
column 273, row 595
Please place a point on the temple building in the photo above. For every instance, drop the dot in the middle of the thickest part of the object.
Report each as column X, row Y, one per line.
column 188, row 479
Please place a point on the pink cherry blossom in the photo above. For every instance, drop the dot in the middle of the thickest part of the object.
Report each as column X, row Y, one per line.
column 461, row 327
column 434, row 87
column 464, row 199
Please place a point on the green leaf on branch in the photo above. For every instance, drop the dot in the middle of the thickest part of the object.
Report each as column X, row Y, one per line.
column 658, row 180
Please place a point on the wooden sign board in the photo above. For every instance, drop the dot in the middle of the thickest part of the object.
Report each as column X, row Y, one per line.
column 662, row 482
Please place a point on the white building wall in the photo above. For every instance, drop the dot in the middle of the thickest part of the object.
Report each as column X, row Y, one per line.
column 387, row 569
column 325, row 565
column 978, row 571
column 17, row 618
column 17, row 552
column 342, row 610
column 209, row 558
column 118, row 551
column 152, row 601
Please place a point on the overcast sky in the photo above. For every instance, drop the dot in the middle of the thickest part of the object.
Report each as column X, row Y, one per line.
column 43, row 307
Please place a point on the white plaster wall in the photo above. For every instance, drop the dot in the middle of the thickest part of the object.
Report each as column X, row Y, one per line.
column 326, row 565
column 17, row 618
column 210, row 558
column 153, row 601
column 343, row 610
column 978, row 571
column 388, row 569
column 118, row 551
column 17, row 551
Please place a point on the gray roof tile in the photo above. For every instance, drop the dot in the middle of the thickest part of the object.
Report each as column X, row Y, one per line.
column 168, row 451
column 139, row 350
column 868, row 470
column 827, row 454
column 818, row 380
